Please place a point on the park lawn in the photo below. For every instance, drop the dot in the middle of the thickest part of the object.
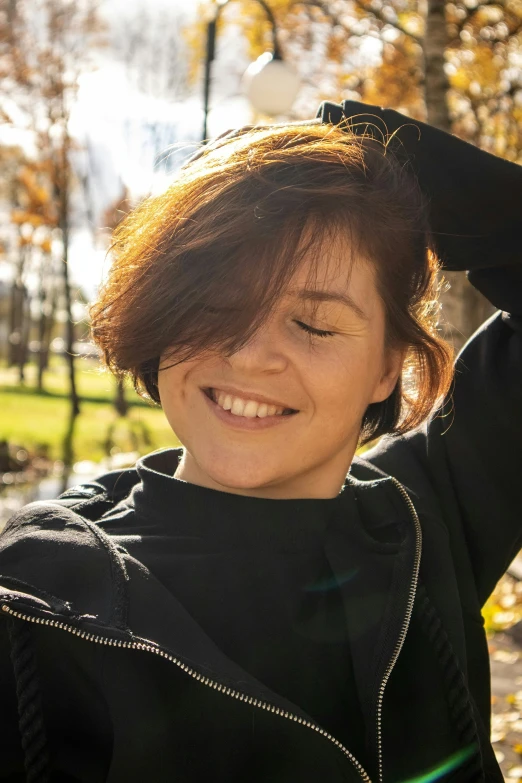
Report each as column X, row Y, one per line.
column 93, row 382
column 40, row 422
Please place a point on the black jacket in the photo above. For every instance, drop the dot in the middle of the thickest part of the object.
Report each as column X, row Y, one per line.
column 113, row 680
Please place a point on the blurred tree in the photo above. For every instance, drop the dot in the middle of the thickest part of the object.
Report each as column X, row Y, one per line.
column 149, row 42
column 45, row 46
column 484, row 65
column 112, row 217
column 35, row 215
column 12, row 159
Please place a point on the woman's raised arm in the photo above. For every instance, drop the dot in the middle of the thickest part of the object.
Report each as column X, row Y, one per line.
column 466, row 462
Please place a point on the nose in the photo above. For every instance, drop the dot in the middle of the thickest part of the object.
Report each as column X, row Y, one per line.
column 263, row 353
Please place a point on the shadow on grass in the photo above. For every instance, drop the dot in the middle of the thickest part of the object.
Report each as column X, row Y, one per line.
column 139, row 434
column 32, row 392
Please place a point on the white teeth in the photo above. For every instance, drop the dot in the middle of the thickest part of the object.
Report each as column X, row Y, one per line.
column 238, row 406
column 248, row 408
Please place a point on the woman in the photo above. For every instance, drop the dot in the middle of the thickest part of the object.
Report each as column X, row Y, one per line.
column 262, row 605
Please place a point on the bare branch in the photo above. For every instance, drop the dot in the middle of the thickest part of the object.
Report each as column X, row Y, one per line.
column 381, row 18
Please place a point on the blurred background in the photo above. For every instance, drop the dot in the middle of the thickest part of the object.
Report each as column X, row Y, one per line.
column 100, row 103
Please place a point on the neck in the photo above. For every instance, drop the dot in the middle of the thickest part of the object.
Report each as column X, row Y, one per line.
column 321, row 482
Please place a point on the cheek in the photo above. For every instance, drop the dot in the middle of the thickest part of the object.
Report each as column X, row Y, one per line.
column 179, row 390
column 170, row 386
column 344, row 382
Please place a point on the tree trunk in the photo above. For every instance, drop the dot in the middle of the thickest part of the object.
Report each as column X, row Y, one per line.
column 120, row 403
column 48, row 303
column 25, row 333
column 42, row 334
column 464, row 308
column 15, row 323
column 436, row 84
column 63, row 178
column 16, row 310
column 69, row 330
column 42, row 359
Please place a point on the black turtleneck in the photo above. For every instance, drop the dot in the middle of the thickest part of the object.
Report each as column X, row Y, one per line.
column 254, row 575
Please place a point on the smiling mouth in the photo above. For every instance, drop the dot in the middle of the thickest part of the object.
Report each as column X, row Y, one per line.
column 250, row 409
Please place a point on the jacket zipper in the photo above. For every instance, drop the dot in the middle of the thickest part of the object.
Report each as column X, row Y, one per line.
column 91, row 637
column 405, row 622
column 234, row 694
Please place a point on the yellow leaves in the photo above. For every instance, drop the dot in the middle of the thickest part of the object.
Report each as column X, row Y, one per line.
column 34, row 192
column 459, row 79
column 394, row 82
column 30, row 237
column 412, row 23
column 35, row 207
column 474, row 70
column 506, row 720
column 46, row 245
column 495, row 618
column 504, row 607
column 295, row 21
column 20, row 216
column 195, row 37
column 250, row 19
column 336, row 48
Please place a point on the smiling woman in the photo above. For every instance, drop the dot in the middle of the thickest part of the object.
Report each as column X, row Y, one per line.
column 262, row 605
column 303, row 248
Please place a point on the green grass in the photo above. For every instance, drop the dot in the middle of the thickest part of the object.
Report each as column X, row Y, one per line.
column 39, row 422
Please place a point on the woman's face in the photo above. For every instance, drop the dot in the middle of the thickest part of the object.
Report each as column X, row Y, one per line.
column 298, row 398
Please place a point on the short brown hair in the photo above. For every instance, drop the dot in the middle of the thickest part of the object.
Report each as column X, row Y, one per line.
column 201, row 266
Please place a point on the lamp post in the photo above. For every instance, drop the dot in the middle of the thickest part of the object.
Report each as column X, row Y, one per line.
column 271, row 85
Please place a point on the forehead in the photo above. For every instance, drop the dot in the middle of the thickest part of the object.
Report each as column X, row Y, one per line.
column 339, row 265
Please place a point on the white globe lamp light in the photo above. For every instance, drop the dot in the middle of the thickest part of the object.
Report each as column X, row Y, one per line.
column 271, row 85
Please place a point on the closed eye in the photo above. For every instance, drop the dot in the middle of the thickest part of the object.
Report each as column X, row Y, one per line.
column 312, row 330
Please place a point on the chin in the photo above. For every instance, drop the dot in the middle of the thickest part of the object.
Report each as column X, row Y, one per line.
column 242, row 480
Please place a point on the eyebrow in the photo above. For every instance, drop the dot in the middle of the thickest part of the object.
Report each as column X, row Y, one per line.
column 310, row 295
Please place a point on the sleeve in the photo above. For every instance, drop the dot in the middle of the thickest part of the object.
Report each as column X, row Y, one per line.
column 466, row 462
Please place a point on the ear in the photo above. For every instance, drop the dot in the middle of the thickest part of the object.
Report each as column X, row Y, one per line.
column 393, row 364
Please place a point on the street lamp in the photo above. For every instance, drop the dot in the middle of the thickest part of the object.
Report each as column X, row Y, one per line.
column 270, row 84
